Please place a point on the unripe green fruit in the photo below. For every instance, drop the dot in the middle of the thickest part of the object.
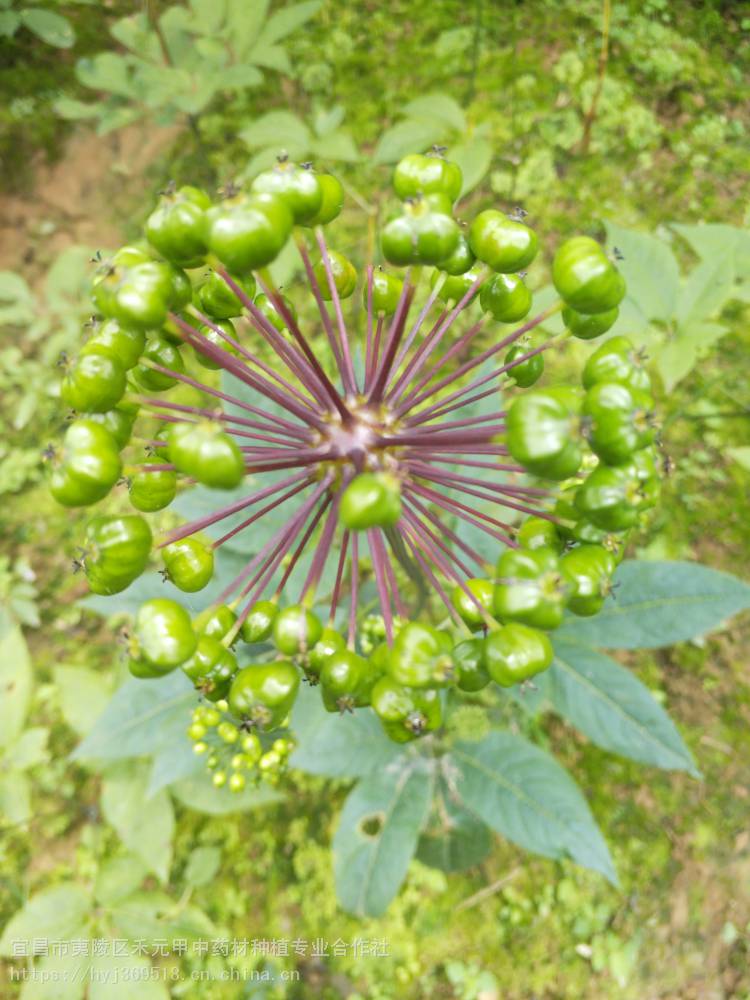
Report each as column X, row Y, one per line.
column 299, row 187
column 332, row 201
column 514, row 653
column 372, row 499
column 164, row 634
column 386, row 292
column 502, row 243
column 296, row 630
column 344, row 276
column 541, row 432
column 506, row 297
column 189, row 564
column 417, row 174
column 471, row 666
column 152, row 491
column 258, row 626
column 264, row 693
column 205, row 452
column 587, row 327
column 585, row 278
column 116, row 552
column 471, row 610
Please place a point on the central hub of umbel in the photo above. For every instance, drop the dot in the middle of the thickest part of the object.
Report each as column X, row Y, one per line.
column 358, row 438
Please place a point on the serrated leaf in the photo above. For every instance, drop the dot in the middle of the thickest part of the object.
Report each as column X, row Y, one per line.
column 68, row 280
column 326, row 121
column 118, row 878
column 614, row 709
column 145, row 828
column 59, row 914
column 338, row 746
column 650, row 270
column 244, row 21
column 338, row 146
column 141, row 717
column 13, row 288
column 208, row 15
column 239, row 77
column 72, row 110
column 711, row 240
column 172, row 762
column 454, row 838
column 197, row 792
column 52, row 28
column 202, row 866
column 134, row 32
column 272, row 57
column 15, row 798
column 411, row 136
column 113, row 116
column 287, row 20
column 28, row 750
column 106, row 71
column 678, row 355
column 153, row 916
column 280, row 129
column 124, row 978
column 474, row 157
column 9, row 23
column 440, row 107
column 58, row 977
column 15, row 684
column 706, row 290
column 377, row 835
column 524, row 794
column 659, row 603
column 83, row 696
column 741, row 455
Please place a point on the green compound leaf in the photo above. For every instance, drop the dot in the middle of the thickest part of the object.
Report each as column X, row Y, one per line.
column 15, row 797
column 377, row 835
column 287, row 20
column 338, row 746
column 83, row 696
column 58, row 977
column 614, row 709
column 197, row 792
column 128, row 978
column 118, row 878
column 145, row 829
column 409, row 136
column 659, row 603
column 54, row 29
column 59, row 914
column 437, row 107
column 172, row 762
column 141, row 717
column 280, row 129
column 474, row 157
column 650, row 270
column 454, row 838
column 524, row 794
column 15, row 684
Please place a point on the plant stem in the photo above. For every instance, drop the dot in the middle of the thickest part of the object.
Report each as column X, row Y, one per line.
column 588, row 121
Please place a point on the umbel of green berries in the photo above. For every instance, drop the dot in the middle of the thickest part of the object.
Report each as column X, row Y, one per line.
column 367, row 436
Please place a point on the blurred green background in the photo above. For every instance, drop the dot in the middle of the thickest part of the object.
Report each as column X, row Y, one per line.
column 100, row 105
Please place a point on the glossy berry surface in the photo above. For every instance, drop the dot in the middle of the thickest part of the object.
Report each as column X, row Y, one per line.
column 502, row 243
